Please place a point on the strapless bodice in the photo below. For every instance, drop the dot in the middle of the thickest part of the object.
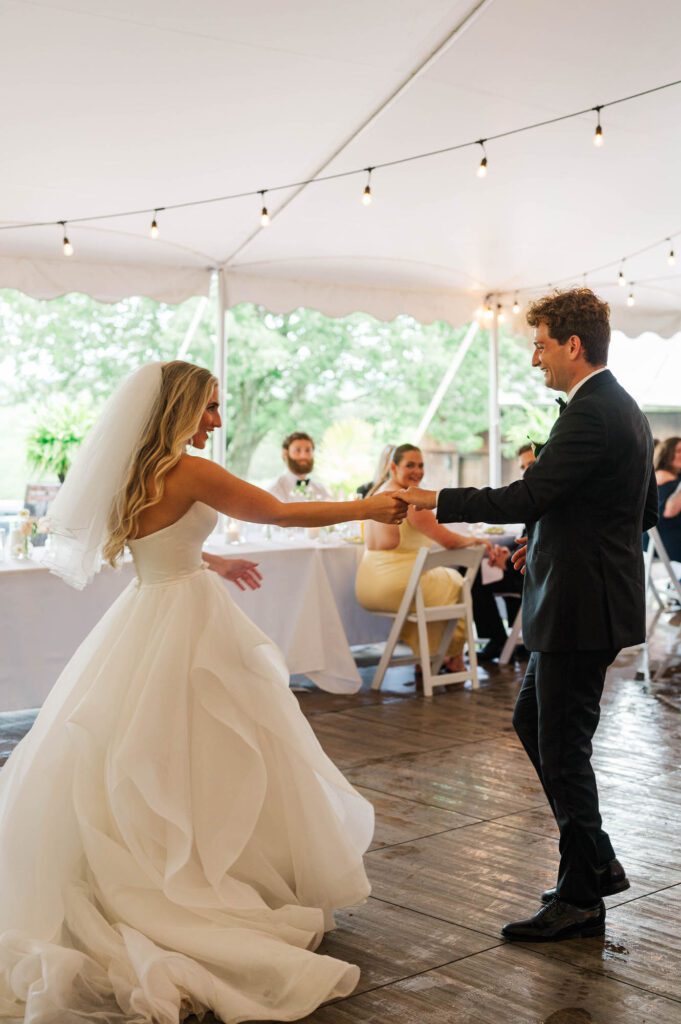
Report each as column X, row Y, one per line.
column 174, row 552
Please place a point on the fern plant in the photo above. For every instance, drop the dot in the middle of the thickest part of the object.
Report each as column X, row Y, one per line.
column 56, row 435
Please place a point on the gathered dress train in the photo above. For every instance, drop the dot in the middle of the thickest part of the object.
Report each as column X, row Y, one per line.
column 173, row 839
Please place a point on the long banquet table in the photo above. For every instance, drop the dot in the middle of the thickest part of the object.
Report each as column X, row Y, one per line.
column 306, row 605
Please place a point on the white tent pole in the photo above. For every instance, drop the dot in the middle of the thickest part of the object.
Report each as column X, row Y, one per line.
column 465, row 21
column 446, row 381
column 493, row 403
column 191, row 330
column 220, row 365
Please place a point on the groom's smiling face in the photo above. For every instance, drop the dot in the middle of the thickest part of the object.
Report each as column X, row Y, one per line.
column 552, row 358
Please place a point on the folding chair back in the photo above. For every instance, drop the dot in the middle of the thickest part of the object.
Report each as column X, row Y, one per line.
column 467, row 559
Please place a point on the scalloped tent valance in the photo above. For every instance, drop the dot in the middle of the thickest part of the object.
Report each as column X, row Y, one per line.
column 167, row 101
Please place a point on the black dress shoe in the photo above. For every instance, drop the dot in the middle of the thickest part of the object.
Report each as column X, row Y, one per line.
column 558, row 920
column 490, row 651
column 611, row 877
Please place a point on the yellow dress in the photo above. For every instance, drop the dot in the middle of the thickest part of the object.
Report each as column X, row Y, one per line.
column 382, row 578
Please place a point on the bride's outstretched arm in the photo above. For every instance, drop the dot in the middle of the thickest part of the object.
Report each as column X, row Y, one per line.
column 227, row 493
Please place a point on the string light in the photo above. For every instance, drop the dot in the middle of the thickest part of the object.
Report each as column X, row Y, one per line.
column 66, row 245
column 264, row 215
column 598, row 134
column 516, row 304
column 482, row 167
column 630, row 297
column 489, row 312
column 366, row 194
column 621, row 279
column 501, row 316
column 153, row 230
column 671, row 258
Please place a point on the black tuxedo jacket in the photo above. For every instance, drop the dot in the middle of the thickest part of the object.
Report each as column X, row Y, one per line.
column 586, row 501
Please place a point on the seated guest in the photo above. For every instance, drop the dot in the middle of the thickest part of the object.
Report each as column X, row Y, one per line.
column 297, row 451
column 390, row 553
column 526, row 457
column 488, row 621
column 667, row 474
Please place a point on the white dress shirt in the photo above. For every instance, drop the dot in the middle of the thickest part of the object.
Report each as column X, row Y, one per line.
column 286, row 489
column 573, row 391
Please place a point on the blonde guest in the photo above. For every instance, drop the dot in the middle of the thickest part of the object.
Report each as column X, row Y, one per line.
column 390, row 553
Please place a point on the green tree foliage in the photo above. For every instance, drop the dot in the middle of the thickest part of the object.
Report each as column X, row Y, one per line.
column 285, row 371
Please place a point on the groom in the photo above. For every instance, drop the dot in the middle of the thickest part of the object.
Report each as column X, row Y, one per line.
column 586, row 500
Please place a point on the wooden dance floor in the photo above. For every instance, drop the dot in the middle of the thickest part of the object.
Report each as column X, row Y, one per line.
column 464, row 842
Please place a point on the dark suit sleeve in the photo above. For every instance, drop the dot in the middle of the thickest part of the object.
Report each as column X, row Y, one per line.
column 651, row 512
column 575, row 450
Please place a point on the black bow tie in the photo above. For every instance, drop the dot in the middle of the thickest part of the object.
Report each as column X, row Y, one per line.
column 301, row 483
column 561, row 405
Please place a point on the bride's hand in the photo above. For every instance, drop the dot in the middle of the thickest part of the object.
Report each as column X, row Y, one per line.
column 385, row 507
column 238, row 570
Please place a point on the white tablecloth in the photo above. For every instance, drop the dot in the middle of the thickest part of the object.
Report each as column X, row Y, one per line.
column 306, row 605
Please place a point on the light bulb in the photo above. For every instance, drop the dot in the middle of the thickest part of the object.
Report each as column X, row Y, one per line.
column 366, row 195
column 68, row 248
column 264, row 218
column 153, row 230
column 516, row 306
column 482, row 169
column 621, row 279
column 489, row 312
column 501, row 316
column 671, row 258
column 598, row 136
column 630, row 299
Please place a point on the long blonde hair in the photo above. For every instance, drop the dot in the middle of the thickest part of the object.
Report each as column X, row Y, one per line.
column 185, row 392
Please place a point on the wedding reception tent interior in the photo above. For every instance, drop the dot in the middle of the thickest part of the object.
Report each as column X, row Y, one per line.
column 450, row 160
column 196, row 117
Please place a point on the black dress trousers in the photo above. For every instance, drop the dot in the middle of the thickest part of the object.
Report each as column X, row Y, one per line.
column 556, row 716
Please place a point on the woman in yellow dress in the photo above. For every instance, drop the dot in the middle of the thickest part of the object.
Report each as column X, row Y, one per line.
column 390, row 553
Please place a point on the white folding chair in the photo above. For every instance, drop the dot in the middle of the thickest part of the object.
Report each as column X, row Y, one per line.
column 656, row 547
column 462, row 558
column 515, row 632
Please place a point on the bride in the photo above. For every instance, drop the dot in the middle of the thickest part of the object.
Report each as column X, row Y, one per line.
column 173, row 839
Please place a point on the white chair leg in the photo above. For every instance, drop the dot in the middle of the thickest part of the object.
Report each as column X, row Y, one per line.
column 383, row 664
column 512, row 639
column 470, row 637
column 424, row 650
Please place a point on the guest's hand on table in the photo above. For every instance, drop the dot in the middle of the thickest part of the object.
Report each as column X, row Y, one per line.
column 418, row 497
column 238, row 570
column 519, row 556
column 499, row 556
column 386, row 507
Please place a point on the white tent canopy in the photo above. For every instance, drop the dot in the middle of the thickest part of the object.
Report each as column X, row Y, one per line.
column 154, row 102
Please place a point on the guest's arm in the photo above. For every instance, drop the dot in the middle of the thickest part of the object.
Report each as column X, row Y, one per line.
column 651, row 511
column 425, row 522
column 673, row 504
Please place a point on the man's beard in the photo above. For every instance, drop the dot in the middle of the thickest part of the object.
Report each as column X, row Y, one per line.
column 300, row 467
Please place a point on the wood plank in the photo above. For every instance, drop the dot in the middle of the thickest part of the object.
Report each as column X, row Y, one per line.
column 350, row 741
column 400, row 821
column 483, row 780
column 389, row 943
column 642, row 945
column 505, row 984
column 478, row 877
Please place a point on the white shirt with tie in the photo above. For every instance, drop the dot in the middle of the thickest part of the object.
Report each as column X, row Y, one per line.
column 289, row 487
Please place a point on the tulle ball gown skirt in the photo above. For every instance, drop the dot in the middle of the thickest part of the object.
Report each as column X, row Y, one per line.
column 173, row 839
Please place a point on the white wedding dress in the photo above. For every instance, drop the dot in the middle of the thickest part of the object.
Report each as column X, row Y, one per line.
column 172, row 836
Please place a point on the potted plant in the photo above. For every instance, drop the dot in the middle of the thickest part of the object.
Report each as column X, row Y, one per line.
column 56, row 436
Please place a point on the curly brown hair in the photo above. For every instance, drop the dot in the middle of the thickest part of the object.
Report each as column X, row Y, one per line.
column 579, row 312
column 664, row 454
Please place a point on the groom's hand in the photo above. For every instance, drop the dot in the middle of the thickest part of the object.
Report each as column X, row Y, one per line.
column 519, row 556
column 417, row 497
